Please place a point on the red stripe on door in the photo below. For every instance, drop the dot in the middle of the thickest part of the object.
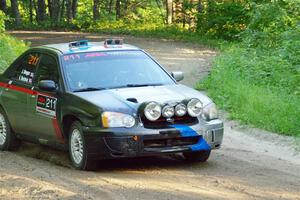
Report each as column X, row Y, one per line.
column 19, row 89
column 3, row 84
column 57, row 130
column 22, row 89
column 32, row 92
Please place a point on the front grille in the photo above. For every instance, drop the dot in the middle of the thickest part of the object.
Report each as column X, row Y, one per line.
column 163, row 122
column 170, row 142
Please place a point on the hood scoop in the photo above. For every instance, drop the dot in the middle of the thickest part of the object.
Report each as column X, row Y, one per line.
column 133, row 100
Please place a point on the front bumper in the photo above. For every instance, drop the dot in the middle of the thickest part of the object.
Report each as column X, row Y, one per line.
column 140, row 141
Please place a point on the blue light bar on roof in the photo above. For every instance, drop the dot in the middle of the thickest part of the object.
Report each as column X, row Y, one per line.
column 78, row 44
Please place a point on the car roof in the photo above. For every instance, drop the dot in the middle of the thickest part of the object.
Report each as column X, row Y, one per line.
column 92, row 47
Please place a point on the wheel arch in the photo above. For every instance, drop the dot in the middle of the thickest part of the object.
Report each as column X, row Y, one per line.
column 8, row 116
column 67, row 122
column 2, row 107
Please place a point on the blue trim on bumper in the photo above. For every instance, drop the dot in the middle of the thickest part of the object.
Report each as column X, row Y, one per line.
column 186, row 131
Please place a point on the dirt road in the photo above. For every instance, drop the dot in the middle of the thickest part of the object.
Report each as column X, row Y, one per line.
column 252, row 164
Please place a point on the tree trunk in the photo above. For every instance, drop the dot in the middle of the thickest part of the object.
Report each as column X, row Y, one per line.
column 15, row 12
column 118, row 9
column 169, row 7
column 62, row 10
column 3, row 5
column 184, row 19
column 30, row 11
column 160, row 9
column 69, row 10
column 96, row 10
column 200, row 7
column 110, row 6
column 190, row 16
column 74, row 8
column 50, row 8
column 55, row 10
column 41, row 10
column 125, row 7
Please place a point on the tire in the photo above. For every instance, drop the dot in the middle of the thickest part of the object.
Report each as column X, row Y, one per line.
column 197, row 156
column 78, row 151
column 8, row 139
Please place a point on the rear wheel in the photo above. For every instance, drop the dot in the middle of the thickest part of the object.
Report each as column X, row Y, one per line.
column 8, row 139
column 78, row 150
column 197, row 156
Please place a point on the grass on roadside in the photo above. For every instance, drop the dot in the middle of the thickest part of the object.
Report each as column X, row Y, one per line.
column 250, row 98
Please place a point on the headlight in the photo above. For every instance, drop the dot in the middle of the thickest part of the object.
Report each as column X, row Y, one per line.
column 210, row 112
column 180, row 110
column 115, row 119
column 168, row 111
column 194, row 107
column 152, row 111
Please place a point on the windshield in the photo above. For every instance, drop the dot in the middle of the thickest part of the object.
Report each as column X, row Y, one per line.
column 112, row 69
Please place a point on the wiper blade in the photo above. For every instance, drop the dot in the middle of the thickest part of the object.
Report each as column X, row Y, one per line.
column 135, row 85
column 142, row 85
column 89, row 89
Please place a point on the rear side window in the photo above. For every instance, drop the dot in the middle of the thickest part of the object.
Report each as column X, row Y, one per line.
column 26, row 68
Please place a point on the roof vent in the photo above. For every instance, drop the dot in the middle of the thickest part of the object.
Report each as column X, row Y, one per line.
column 133, row 100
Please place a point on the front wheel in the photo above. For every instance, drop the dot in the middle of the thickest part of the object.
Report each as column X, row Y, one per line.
column 197, row 156
column 77, row 148
column 8, row 139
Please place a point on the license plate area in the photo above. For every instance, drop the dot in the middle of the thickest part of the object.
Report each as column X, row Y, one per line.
column 170, row 142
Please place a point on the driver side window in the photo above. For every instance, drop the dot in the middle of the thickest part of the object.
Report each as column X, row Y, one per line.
column 26, row 68
column 47, row 70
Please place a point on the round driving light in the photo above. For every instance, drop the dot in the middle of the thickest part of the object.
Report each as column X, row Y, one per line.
column 194, row 107
column 168, row 111
column 152, row 111
column 180, row 110
column 128, row 121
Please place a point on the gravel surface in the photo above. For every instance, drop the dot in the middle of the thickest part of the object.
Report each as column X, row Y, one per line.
column 252, row 164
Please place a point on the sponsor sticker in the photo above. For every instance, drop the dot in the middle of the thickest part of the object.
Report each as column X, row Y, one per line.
column 46, row 105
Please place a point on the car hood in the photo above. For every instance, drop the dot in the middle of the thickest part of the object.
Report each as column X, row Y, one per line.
column 120, row 100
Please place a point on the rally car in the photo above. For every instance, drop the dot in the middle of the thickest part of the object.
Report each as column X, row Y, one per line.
column 104, row 100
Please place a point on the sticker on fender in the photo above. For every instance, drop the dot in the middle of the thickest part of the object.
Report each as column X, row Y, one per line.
column 46, row 105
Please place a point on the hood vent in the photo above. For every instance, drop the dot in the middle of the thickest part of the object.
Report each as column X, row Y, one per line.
column 133, row 100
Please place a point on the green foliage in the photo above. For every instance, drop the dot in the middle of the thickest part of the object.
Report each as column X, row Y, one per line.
column 217, row 19
column 146, row 15
column 10, row 49
column 143, row 19
column 223, row 19
column 253, row 104
column 2, row 21
column 258, row 79
column 269, row 22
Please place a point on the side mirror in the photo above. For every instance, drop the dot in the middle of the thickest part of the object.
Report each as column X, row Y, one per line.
column 178, row 76
column 47, row 85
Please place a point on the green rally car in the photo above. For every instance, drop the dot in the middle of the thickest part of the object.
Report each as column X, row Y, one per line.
column 104, row 100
